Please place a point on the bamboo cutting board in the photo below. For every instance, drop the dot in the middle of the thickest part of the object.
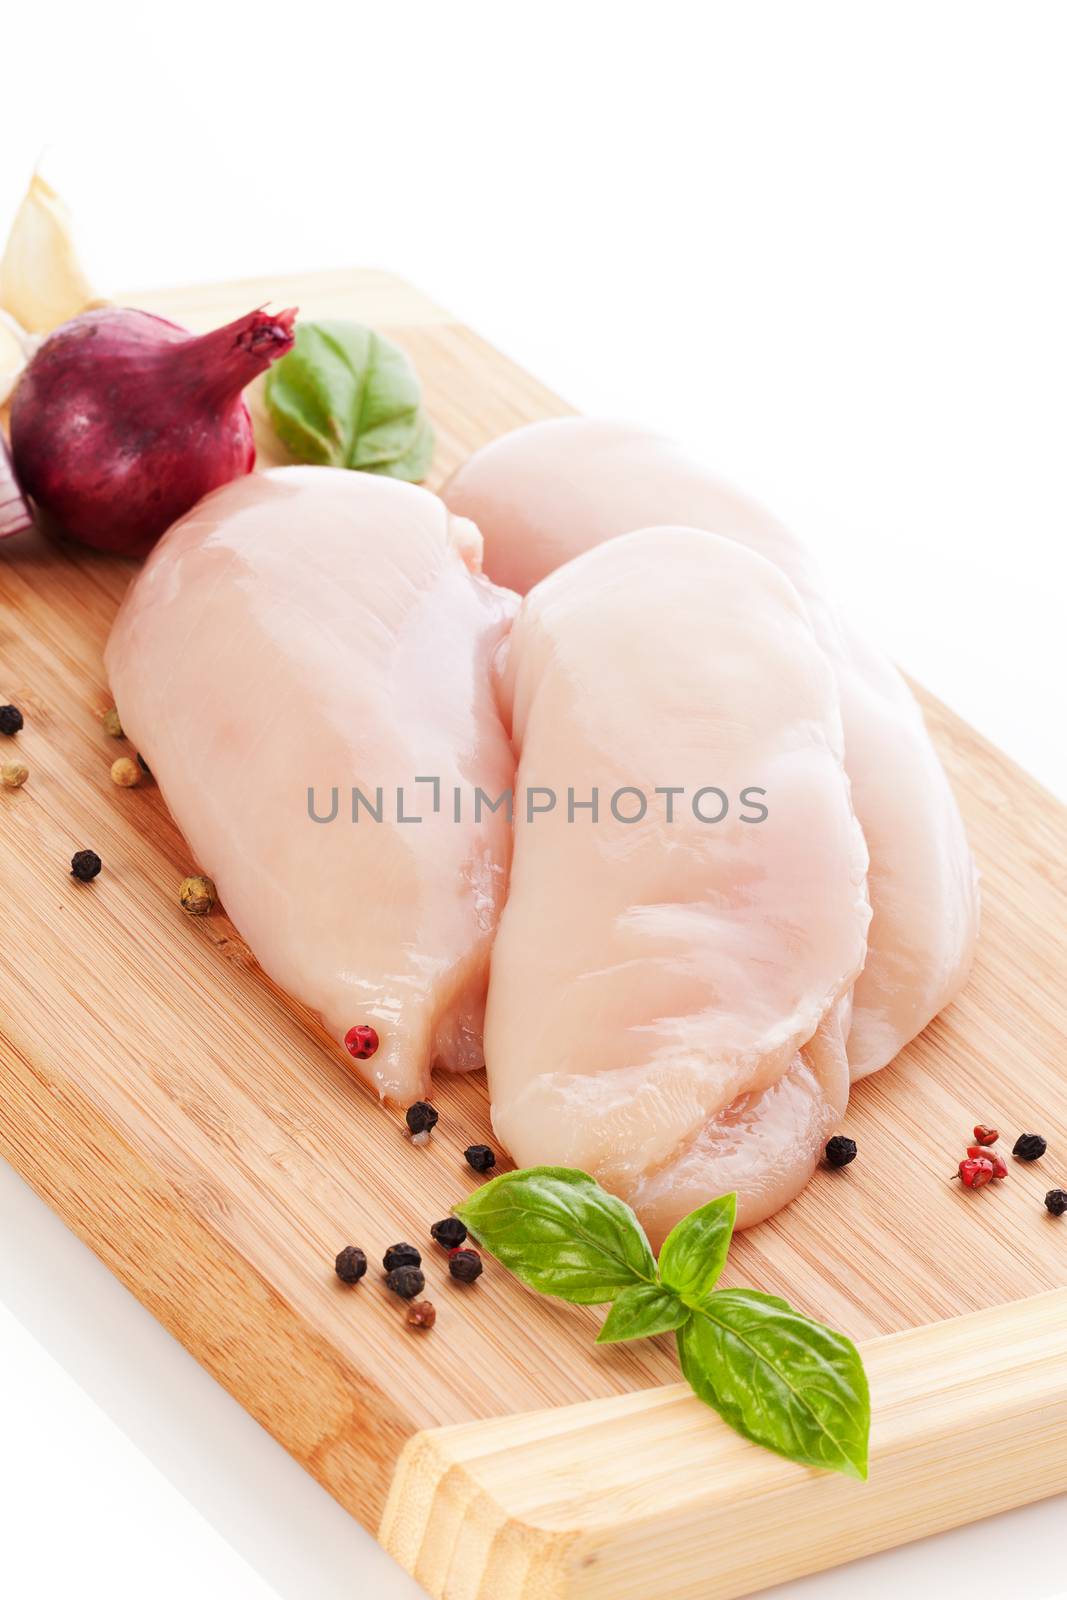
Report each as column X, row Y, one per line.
column 194, row 1127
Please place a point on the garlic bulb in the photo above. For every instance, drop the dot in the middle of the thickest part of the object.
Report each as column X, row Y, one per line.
column 41, row 280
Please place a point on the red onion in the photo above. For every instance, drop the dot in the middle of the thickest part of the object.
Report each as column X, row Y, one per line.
column 122, row 420
column 14, row 512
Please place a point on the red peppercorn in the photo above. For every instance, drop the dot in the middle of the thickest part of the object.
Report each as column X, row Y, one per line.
column 978, row 1152
column 984, row 1135
column 976, row 1171
column 361, row 1041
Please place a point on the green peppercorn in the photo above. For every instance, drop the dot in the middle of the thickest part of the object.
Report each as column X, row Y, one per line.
column 11, row 720
column 449, row 1232
column 465, row 1264
column 197, row 896
column 840, row 1151
column 351, row 1264
column 407, row 1282
column 13, row 774
column 85, row 865
column 112, row 725
column 1029, row 1147
column 401, row 1255
column 480, row 1157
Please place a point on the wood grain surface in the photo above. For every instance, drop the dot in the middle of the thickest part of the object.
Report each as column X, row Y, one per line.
column 196, row 1129
column 646, row 1497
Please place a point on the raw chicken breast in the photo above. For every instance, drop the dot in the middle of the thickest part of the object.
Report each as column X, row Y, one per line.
column 316, row 629
column 668, row 998
column 545, row 493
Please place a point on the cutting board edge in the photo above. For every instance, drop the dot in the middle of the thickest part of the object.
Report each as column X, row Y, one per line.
column 582, row 1502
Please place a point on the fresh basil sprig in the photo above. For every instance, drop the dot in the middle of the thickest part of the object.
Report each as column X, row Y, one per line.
column 346, row 396
column 780, row 1379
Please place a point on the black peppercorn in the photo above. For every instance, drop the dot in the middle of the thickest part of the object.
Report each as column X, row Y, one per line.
column 420, row 1117
column 466, row 1265
column 1029, row 1147
column 10, row 719
column 407, row 1282
column 143, row 764
column 480, row 1157
column 449, row 1232
column 401, row 1255
column 1056, row 1202
column 85, row 865
column 351, row 1264
column 840, row 1151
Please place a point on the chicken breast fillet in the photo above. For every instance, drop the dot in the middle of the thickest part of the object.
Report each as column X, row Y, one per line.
column 301, row 634
column 547, row 492
column 669, row 995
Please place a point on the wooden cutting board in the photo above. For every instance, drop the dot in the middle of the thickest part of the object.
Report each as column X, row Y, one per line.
column 197, row 1130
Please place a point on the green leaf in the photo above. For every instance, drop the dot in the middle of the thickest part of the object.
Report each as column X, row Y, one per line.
column 415, row 464
column 345, row 396
column 561, row 1233
column 641, row 1311
column 783, row 1381
column 694, row 1252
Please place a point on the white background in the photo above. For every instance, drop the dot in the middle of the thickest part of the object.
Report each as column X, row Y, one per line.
column 823, row 242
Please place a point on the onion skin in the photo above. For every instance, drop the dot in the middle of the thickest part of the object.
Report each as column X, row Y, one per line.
column 14, row 512
column 123, row 421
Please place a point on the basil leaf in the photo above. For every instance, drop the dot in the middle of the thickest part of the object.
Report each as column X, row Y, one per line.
column 346, row 396
column 783, row 1381
column 694, row 1252
column 561, row 1233
column 415, row 463
column 641, row 1311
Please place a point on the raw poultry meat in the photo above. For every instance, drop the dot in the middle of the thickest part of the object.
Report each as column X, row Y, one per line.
column 547, row 492
column 317, row 629
column 668, row 998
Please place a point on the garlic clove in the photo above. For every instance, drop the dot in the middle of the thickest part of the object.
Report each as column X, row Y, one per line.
column 12, row 357
column 41, row 279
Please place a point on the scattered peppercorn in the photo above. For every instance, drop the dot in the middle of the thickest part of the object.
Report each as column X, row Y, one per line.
column 407, row 1282
column 361, row 1041
column 422, row 1314
column 984, row 1135
column 351, row 1264
column 465, row 1264
column 840, row 1151
column 11, row 719
column 449, row 1232
column 126, row 773
column 112, row 725
column 401, row 1255
column 1029, row 1147
column 85, row 865
column 480, row 1157
column 1056, row 1202
column 976, row 1172
column 421, row 1117
column 197, row 896
column 143, row 764
column 981, row 1152
column 13, row 774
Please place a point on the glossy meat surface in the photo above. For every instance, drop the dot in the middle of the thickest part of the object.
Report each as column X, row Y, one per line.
column 668, row 997
column 549, row 491
column 316, row 629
